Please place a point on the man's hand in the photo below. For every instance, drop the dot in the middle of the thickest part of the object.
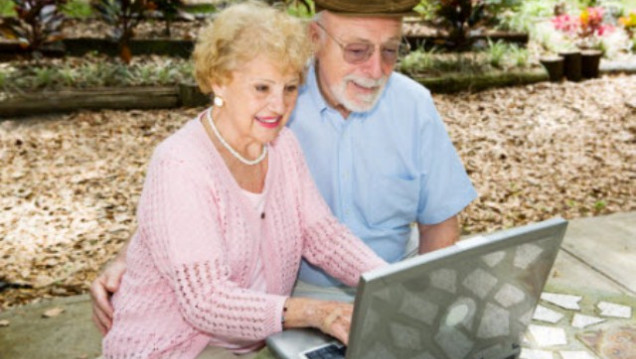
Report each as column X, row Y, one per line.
column 102, row 289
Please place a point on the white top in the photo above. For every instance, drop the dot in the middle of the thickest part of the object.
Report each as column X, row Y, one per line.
column 258, row 276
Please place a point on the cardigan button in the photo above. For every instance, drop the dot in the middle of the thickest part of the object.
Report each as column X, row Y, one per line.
column 263, row 215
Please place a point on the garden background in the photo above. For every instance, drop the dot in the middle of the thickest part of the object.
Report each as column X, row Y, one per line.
column 70, row 178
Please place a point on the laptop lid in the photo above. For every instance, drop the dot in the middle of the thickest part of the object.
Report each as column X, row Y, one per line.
column 471, row 300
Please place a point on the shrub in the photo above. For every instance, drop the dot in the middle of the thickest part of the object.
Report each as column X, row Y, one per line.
column 459, row 16
column 36, row 24
column 123, row 16
column 170, row 9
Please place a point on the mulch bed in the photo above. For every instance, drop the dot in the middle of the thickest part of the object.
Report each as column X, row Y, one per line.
column 69, row 184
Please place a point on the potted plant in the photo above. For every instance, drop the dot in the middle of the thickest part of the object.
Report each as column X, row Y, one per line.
column 552, row 43
column 591, row 30
column 553, row 63
column 585, row 32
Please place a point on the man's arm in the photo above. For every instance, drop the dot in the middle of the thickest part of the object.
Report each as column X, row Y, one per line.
column 437, row 236
column 103, row 288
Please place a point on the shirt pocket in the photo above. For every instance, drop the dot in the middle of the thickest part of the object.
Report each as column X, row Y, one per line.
column 390, row 201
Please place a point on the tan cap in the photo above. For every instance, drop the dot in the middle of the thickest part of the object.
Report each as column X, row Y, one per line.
column 368, row 7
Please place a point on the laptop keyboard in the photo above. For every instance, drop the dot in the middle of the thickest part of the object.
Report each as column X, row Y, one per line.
column 331, row 351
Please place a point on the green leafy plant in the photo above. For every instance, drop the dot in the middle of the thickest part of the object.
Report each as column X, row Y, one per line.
column 171, row 10
column 524, row 16
column 93, row 71
column 45, row 77
column 123, row 16
column 519, row 56
column 418, row 61
column 600, row 205
column 300, row 8
column 6, row 8
column 494, row 9
column 67, row 75
column 426, row 9
column 77, row 9
column 436, row 63
column 496, row 53
column 459, row 16
column 503, row 55
column 36, row 24
column 200, row 8
column 629, row 23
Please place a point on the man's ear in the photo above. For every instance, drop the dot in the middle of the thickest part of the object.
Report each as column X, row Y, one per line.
column 315, row 36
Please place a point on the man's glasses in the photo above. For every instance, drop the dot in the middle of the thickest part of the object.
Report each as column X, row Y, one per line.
column 359, row 52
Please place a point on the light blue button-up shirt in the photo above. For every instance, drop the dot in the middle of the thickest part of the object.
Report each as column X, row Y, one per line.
column 381, row 170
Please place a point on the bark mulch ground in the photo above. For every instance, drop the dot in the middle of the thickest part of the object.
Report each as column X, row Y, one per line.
column 69, row 184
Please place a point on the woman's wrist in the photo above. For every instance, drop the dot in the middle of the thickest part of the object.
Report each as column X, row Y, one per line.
column 300, row 313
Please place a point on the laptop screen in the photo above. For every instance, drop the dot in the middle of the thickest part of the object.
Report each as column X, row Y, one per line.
column 472, row 300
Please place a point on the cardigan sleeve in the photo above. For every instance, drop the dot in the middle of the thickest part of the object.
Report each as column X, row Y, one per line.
column 179, row 215
column 328, row 243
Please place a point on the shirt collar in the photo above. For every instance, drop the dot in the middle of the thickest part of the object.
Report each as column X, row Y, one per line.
column 314, row 90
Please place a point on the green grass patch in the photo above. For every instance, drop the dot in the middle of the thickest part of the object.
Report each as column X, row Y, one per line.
column 93, row 71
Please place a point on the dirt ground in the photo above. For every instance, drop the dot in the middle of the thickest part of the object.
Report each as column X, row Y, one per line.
column 69, row 184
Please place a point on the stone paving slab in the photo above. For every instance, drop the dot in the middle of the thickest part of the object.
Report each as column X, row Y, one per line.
column 607, row 244
column 69, row 335
column 570, row 273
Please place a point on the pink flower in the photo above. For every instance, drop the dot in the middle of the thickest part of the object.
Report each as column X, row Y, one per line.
column 589, row 23
column 605, row 29
column 565, row 23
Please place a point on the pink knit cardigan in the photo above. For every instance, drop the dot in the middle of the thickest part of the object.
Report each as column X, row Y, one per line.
column 190, row 262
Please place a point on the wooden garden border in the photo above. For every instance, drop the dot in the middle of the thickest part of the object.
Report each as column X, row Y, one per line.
column 90, row 99
column 188, row 95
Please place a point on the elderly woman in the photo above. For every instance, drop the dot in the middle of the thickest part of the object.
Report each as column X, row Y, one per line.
column 229, row 208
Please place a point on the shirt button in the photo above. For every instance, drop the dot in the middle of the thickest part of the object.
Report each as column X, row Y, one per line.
column 263, row 215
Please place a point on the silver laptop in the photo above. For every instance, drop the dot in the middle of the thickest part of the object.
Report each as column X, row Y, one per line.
column 471, row 300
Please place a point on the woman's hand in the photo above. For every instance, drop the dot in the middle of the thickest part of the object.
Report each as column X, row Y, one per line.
column 103, row 288
column 336, row 320
column 331, row 317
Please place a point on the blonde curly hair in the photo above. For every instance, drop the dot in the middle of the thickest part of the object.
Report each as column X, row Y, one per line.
column 244, row 31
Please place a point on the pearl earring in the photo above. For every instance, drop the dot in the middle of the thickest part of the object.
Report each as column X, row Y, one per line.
column 218, row 102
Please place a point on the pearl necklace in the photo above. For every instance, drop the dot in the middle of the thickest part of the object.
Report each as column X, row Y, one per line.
column 232, row 150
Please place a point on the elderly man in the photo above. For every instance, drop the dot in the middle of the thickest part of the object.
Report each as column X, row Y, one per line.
column 373, row 140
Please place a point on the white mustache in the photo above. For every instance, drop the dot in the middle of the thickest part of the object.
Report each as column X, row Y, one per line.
column 366, row 82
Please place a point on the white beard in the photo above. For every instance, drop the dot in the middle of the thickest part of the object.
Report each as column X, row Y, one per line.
column 361, row 102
